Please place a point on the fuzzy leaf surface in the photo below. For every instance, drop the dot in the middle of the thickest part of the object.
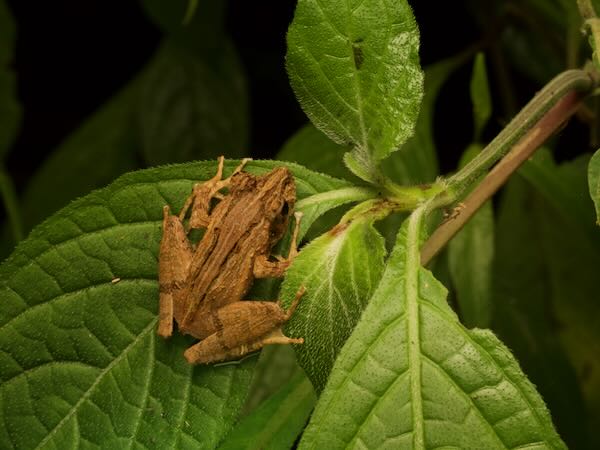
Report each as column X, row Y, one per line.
column 340, row 269
column 354, row 67
column 80, row 361
column 412, row 377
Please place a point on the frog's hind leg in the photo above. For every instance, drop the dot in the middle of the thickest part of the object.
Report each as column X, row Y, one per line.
column 277, row 337
column 174, row 259
column 212, row 349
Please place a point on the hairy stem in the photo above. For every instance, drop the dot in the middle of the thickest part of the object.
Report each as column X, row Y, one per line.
column 524, row 121
column 542, row 117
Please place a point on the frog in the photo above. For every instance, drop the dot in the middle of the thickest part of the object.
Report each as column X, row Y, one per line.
column 202, row 287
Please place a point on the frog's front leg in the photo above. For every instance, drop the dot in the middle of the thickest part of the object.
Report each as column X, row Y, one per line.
column 241, row 328
column 202, row 194
column 264, row 268
column 174, row 259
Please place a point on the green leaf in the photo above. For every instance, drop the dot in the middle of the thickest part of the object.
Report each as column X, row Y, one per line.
column 192, row 106
column 416, row 163
column 80, row 362
column 470, row 257
column 354, row 67
column 10, row 109
column 278, row 421
column 594, row 182
column 525, row 315
column 411, row 376
column 480, row 96
column 339, row 270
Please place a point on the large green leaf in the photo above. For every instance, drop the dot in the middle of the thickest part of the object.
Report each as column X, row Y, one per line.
column 411, row 376
column 524, row 313
column 594, row 182
column 339, row 270
column 80, row 363
column 277, row 422
column 10, row 109
column 354, row 66
column 192, row 105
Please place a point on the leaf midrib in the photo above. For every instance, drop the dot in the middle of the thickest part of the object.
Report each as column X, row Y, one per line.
column 411, row 287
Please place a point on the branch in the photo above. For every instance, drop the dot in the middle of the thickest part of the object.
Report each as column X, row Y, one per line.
column 528, row 140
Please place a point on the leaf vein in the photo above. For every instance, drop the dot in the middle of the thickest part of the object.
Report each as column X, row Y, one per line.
column 88, row 393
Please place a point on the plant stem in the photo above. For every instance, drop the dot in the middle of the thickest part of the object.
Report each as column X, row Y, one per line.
column 9, row 197
column 542, row 117
column 343, row 195
column 523, row 122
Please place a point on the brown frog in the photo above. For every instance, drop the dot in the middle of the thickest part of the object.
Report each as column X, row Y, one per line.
column 203, row 288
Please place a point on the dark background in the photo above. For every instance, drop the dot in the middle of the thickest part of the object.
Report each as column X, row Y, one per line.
column 72, row 56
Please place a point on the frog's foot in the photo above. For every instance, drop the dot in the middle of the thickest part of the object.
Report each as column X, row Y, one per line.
column 277, row 337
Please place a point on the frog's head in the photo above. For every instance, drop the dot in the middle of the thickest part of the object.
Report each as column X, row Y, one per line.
column 279, row 196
